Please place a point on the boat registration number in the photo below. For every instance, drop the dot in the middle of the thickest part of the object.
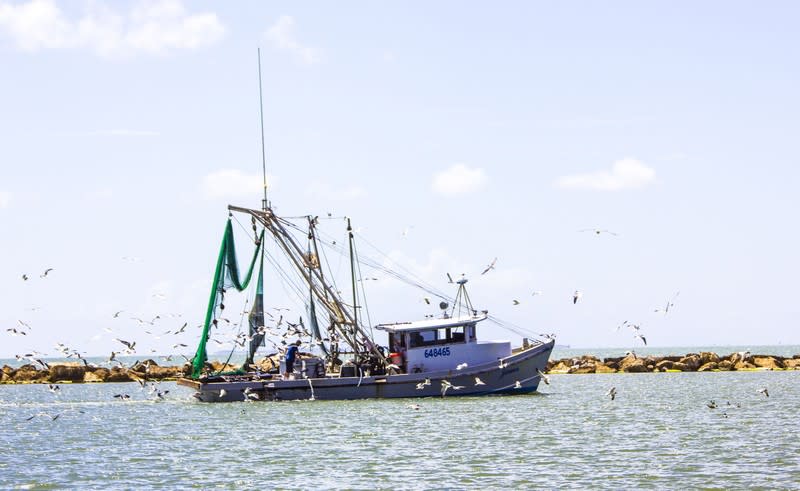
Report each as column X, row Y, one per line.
column 435, row 352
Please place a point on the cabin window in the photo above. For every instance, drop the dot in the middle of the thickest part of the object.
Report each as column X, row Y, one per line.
column 396, row 342
column 423, row 338
column 450, row 335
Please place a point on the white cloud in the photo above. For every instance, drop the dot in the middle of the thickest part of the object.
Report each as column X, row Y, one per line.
column 625, row 174
column 232, row 183
column 154, row 27
column 5, row 199
column 459, row 179
column 326, row 191
column 282, row 36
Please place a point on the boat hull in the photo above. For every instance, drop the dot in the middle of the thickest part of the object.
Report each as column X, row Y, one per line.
column 516, row 374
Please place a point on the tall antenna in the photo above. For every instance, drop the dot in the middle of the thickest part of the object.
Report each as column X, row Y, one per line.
column 265, row 203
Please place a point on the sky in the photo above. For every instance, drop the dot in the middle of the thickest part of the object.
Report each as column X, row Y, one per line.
column 452, row 133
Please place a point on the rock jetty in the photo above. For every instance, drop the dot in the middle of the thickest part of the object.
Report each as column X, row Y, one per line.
column 149, row 370
column 75, row 372
column 78, row 373
column 705, row 361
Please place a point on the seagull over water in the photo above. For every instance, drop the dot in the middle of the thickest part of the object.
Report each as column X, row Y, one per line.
column 764, row 391
column 447, row 385
column 612, row 393
column 422, row 384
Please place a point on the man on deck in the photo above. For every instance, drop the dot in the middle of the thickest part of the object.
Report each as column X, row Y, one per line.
column 291, row 355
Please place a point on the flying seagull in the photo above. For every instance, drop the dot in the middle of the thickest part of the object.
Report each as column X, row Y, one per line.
column 764, row 391
column 642, row 338
column 478, row 381
column 612, row 393
column 447, row 385
column 490, row 266
column 44, row 275
column 576, row 296
column 130, row 345
column 461, row 366
column 598, row 231
column 449, row 278
column 670, row 303
column 24, row 277
column 544, row 377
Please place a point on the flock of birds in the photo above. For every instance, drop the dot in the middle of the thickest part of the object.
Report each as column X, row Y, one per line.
column 578, row 295
column 290, row 330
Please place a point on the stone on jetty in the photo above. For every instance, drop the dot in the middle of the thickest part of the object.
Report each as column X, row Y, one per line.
column 725, row 366
column 768, row 362
column 709, row 367
column 692, row 362
column 631, row 364
column 792, row 363
column 67, row 372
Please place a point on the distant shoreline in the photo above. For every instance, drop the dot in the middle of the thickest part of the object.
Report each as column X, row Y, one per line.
column 706, row 361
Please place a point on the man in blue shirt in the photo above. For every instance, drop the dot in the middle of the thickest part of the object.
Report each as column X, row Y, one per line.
column 291, row 355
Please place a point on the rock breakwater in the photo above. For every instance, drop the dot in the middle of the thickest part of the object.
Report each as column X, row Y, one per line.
column 691, row 362
column 149, row 370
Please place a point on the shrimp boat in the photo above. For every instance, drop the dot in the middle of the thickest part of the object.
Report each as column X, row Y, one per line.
column 348, row 358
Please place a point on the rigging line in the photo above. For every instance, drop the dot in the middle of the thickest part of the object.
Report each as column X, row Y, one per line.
column 297, row 229
column 331, row 277
column 363, row 292
column 298, row 289
column 418, row 283
column 511, row 327
column 236, row 219
column 407, row 271
column 287, row 279
column 233, row 348
column 332, row 244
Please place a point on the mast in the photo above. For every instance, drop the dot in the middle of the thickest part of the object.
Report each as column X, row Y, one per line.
column 264, row 203
column 352, row 272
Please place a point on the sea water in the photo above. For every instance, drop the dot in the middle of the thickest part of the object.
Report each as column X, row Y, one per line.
column 658, row 433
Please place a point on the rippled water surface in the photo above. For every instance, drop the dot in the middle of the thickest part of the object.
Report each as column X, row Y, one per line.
column 658, row 433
